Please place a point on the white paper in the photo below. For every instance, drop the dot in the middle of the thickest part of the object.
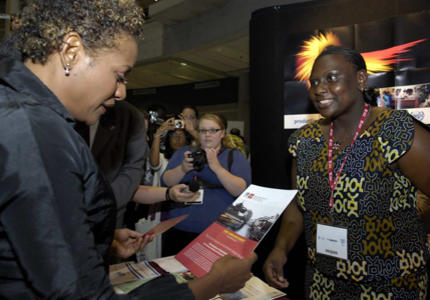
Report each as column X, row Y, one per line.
column 254, row 289
column 332, row 241
column 170, row 264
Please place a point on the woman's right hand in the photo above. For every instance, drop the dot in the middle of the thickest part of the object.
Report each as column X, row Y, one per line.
column 273, row 268
column 187, row 164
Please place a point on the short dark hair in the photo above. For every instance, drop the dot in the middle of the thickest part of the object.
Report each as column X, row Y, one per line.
column 44, row 23
column 190, row 107
column 168, row 151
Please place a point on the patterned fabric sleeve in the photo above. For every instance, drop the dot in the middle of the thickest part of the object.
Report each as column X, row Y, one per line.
column 396, row 135
column 293, row 143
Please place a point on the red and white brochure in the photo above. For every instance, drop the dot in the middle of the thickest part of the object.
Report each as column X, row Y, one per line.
column 238, row 230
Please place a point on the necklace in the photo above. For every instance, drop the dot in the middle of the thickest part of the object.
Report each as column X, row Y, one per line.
column 339, row 141
column 333, row 181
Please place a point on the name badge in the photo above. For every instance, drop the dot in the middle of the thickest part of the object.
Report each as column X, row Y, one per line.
column 332, row 241
column 197, row 198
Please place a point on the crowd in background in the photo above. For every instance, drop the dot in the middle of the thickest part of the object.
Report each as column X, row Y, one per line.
column 168, row 133
column 77, row 164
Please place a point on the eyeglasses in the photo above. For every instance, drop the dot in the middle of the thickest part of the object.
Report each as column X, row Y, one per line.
column 210, row 131
column 178, row 136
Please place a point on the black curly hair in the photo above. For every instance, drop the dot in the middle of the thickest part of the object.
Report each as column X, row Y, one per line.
column 168, row 152
column 44, row 23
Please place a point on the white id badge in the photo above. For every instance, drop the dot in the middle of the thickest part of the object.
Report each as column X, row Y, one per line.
column 332, row 241
column 197, row 199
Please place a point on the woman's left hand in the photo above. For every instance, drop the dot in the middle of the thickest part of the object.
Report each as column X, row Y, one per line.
column 127, row 242
column 189, row 126
column 212, row 157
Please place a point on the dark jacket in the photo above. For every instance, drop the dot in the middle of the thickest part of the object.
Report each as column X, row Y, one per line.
column 120, row 150
column 57, row 213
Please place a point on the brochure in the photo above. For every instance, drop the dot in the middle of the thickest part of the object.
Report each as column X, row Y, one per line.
column 129, row 275
column 238, row 230
column 254, row 289
column 140, row 273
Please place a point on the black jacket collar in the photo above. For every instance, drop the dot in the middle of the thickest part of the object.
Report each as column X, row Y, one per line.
column 18, row 77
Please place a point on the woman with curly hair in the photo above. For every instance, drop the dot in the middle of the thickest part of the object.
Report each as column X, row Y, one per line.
column 57, row 213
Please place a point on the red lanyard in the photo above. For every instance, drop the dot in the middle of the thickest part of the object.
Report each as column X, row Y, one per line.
column 330, row 152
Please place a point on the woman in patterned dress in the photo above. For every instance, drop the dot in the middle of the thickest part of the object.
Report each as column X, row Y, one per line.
column 357, row 171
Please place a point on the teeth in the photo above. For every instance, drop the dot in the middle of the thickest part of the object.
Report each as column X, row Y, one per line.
column 325, row 101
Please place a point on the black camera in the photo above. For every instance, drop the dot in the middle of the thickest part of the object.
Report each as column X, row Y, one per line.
column 200, row 159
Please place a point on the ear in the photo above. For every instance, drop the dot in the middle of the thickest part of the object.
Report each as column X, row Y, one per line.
column 362, row 79
column 71, row 51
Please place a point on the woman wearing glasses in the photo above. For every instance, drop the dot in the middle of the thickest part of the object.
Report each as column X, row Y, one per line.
column 175, row 139
column 222, row 178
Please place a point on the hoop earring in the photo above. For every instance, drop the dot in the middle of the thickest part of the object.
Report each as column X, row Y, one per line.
column 67, row 70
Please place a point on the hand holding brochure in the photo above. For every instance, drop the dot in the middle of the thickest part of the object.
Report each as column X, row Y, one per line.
column 238, row 230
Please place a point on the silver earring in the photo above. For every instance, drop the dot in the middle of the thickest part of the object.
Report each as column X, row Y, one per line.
column 67, row 70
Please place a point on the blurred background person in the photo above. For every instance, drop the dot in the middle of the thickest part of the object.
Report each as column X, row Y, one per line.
column 220, row 182
column 157, row 116
column 236, row 132
column 119, row 145
column 190, row 116
column 232, row 141
column 175, row 138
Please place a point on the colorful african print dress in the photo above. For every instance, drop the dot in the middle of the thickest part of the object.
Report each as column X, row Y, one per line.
column 386, row 241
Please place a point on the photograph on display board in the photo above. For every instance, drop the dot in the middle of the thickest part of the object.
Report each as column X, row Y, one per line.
column 409, row 96
column 386, row 58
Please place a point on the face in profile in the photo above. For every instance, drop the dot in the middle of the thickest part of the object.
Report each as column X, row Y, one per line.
column 334, row 85
column 99, row 80
column 210, row 133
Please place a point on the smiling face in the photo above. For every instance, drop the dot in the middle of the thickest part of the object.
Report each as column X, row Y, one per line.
column 208, row 139
column 99, row 80
column 336, row 85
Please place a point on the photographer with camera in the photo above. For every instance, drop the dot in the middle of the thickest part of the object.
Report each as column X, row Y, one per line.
column 175, row 137
column 220, row 176
column 189, row 115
